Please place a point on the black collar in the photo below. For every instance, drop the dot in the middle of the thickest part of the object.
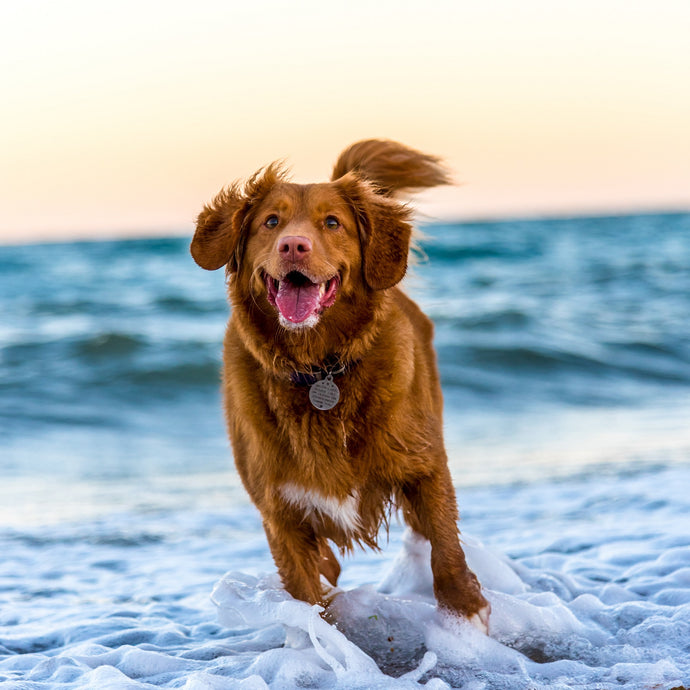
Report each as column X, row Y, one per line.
column 331, row 367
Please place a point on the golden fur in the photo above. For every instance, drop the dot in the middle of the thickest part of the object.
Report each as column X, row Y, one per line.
column 313, row 284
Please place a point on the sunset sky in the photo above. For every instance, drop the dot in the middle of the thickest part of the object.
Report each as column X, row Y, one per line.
column 122, row 118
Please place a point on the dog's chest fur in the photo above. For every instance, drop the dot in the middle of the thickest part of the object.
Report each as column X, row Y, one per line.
column 344, row 513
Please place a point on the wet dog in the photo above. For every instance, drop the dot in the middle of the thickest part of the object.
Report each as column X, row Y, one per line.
column 332, row 394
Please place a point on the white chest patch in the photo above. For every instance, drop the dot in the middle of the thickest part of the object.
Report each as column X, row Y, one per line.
column 344, row 513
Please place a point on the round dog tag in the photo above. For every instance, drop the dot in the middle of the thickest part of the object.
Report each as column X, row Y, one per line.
column 324, row 394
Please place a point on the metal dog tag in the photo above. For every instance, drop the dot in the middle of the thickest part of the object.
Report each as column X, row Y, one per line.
column 324, row 394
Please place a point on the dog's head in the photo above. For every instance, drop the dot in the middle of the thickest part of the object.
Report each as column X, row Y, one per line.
column 302, row 252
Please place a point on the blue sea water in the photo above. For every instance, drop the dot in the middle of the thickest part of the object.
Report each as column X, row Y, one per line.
column 564, row 350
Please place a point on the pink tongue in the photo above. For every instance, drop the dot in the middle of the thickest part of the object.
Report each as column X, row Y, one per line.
column 297, row 303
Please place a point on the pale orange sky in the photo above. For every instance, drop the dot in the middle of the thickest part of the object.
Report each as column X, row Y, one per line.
column 126, row 117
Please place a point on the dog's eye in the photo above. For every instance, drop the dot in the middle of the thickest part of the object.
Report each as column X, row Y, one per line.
column 272, row 222
column 332, row 223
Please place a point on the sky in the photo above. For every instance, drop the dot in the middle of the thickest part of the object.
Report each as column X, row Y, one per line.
column 124, row 118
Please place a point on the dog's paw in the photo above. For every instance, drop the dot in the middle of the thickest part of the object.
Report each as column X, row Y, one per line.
column 480, row 620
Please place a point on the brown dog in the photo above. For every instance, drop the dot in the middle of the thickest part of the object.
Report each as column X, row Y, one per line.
column 332, row 394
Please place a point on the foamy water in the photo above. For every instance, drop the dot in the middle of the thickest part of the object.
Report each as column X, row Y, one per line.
column 589, row 580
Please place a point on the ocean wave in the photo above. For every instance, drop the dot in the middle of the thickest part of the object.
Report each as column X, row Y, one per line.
column 660, row 364
column 521, row 377
column 196, row 374
column 489, row 320
column 557, row 308
column 108, row 345
column 484, row 356
column 184, row 304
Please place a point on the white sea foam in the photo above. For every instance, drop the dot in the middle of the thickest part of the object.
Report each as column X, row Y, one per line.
column 536, row 637
column 589, row 582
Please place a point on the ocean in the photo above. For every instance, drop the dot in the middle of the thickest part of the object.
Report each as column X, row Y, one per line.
column 132, row 558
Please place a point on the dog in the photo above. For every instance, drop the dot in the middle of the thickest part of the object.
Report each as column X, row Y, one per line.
column 332, row 394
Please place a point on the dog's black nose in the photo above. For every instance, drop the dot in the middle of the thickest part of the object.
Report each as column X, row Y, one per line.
column 294, row 247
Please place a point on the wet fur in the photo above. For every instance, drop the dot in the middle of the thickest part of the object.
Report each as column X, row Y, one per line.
column 381, row 446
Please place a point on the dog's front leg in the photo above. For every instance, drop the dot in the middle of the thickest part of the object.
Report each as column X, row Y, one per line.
column 429, row 508
column 297, row 554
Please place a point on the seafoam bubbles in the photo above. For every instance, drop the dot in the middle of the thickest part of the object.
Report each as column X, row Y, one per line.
column 393, row 636
column 321, row 656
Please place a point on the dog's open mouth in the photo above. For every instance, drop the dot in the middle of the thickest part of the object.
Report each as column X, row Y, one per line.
column 299, row 300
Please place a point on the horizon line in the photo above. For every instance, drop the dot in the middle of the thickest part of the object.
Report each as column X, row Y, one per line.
column 421, row 219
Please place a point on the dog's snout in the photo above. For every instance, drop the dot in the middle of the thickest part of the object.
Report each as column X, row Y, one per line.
column 294, row 247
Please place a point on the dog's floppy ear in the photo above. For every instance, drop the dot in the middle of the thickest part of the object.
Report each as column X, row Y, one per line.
column 218, row 229
column 385, row 232
column 221, row 226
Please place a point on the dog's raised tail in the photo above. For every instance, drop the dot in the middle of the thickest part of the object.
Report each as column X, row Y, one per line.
column 391, row 166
